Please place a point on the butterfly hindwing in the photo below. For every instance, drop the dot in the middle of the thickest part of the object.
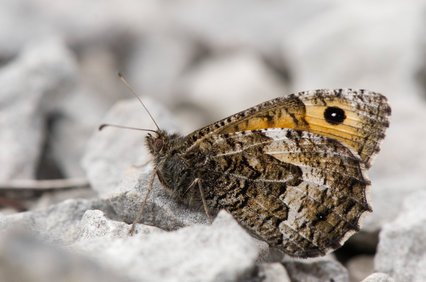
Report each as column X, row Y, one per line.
column 300, row 191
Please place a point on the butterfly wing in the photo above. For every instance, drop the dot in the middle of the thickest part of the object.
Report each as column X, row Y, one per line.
column 299, row 191
column 358, row 118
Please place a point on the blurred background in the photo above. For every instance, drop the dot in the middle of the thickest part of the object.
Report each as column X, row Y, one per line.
column 203, row 60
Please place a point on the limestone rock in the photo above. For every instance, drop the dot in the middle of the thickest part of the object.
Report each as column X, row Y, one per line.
column 56, row 224
column 360, row 267
column 222, row 251
column 318, row 269
column 31, row 87
column 378, row 277
column 273, row 272
column 402, row 247
column 25, row 257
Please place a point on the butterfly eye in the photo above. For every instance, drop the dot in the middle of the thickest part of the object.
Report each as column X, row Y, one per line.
column 334, row 115
column 158, row 144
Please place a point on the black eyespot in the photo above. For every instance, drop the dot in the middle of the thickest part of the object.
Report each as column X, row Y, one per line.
column 334, row 115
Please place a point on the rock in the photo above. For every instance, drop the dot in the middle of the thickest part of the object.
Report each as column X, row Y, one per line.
column 273, row 272
column 160, row 209
column 56, row 224
column 318, row 269
column 360, row 267
column 112, row 151
column 32, row 85
column 402, row 246
column 94, row 225
column 49, row 199
column 147, row 253
column 79, row 116
column 399, row 170
column 386, row 193
column 224, row 85
column 222, row 251
column 80, row 112
column 25, row 257
column 378, row 277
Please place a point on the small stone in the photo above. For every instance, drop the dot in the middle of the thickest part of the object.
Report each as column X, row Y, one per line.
column 378, row 277
column 318, row 269
column 95, row 225
column 360, row 267
column 402, row 246
column 273, row 272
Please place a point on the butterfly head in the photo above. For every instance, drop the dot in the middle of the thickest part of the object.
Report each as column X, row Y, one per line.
column 157, row 142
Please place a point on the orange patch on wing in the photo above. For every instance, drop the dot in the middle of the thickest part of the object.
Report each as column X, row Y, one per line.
column 273, row 119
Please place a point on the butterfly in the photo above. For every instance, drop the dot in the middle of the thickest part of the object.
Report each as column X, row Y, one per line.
column 291, row 171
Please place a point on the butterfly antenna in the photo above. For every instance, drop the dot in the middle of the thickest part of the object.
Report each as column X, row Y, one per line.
column 137, row 97
column 102, row 126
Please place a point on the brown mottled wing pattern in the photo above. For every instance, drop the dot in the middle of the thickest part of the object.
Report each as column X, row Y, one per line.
column 367, row 117
column 291, row 170
column 301, row 192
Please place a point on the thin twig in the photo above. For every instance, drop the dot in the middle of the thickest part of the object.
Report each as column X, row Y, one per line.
column 40, row 185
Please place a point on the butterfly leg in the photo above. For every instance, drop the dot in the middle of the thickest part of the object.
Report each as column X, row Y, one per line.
column 138, row 217
column 203, row 198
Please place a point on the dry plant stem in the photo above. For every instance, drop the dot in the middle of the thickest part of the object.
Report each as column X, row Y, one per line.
column 138, row 217
column 32, row 184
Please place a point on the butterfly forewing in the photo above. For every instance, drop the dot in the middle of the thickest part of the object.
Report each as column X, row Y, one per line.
column 366, row 117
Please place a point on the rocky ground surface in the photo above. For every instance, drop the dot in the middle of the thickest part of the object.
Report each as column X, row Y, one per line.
column 192, row 63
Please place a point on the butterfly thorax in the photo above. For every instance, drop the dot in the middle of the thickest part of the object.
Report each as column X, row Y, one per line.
column 174, row 171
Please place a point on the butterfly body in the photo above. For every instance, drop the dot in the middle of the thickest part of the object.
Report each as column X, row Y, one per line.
column 290, row 170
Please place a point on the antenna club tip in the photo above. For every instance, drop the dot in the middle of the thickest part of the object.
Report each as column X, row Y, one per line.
column 120, row 75
column 102, row 126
